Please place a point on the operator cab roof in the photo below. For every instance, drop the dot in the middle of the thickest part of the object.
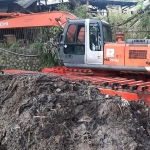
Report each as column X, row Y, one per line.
column 83, row 20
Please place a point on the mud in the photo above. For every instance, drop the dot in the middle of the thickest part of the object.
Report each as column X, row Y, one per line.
column 40, row 112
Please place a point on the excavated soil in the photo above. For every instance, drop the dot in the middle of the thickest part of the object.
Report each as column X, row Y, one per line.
column 41, row 112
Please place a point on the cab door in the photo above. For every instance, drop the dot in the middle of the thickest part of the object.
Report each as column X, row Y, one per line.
column 72, row 49
column 93, row 42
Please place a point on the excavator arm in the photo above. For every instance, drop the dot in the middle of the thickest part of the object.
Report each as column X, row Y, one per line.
column 19, row 20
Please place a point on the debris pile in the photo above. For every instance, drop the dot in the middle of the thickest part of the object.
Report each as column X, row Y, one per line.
column 45, row 112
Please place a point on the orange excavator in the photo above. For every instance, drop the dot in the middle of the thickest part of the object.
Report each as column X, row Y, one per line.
column 88, row 53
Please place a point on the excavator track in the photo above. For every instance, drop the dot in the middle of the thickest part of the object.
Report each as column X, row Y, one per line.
column 129, row 89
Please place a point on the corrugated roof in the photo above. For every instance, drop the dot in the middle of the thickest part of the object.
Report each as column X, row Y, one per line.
column 25, row 3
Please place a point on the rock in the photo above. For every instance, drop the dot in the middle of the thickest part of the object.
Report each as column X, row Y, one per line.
column 107, row 96
column 85, row 119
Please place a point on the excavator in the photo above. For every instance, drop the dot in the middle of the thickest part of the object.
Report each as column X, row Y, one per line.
column 88, row 53
column 88, row 44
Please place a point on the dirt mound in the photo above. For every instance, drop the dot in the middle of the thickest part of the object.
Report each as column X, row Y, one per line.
column 40, row 112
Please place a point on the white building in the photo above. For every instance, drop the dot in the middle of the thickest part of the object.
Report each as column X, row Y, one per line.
column 51, row 2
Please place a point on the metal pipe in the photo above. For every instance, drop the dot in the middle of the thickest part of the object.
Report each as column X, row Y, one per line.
column 6, row 14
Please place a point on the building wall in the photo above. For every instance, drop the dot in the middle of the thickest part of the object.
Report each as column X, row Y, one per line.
column 10, row 60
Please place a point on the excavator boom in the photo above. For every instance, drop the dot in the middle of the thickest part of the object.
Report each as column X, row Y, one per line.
column 19, row 20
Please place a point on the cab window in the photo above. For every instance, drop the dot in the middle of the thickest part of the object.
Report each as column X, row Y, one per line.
column 70, row 36
column 95, row 37
column 75, row 40
column 107, row 33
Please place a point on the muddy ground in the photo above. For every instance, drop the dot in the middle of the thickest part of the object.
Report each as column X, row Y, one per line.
column 40, row 112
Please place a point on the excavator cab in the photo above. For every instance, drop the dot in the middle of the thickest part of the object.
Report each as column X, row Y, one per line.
column 82, row 42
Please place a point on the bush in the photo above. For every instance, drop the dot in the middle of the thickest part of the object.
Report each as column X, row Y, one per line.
column 37, row 46
column 13, row 46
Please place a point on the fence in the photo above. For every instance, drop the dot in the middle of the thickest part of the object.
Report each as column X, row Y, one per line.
column 29, row 35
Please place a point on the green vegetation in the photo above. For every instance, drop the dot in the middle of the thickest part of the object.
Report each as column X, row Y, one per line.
column 13, row 46
column 50, row 58
column 139, row 5
column 80, row 11
column 38, row 46
column 49, row 54
column 48, row 46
